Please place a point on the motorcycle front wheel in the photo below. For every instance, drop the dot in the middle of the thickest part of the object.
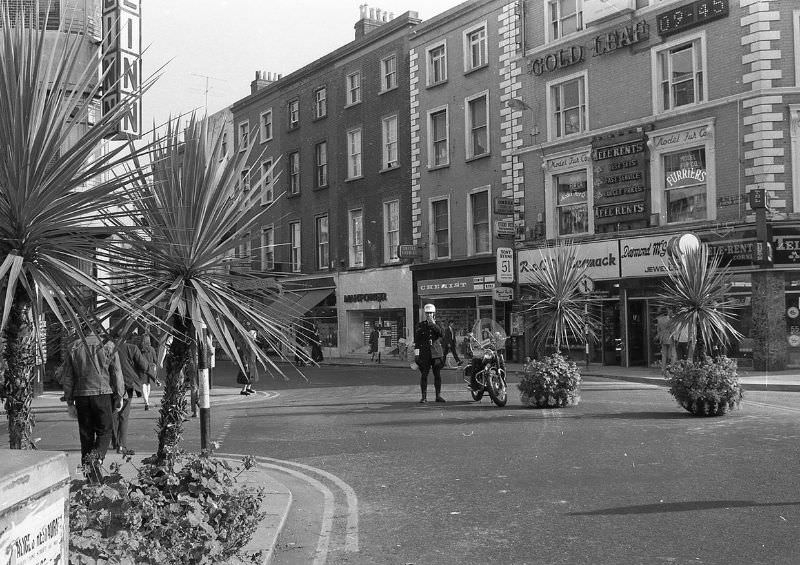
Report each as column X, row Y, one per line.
column 476, row 390
column 497, row 388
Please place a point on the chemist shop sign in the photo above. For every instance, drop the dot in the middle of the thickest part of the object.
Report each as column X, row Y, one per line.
column 456, row 285
column 601, row 260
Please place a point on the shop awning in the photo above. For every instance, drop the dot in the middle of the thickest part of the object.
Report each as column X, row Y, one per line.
column 294, row 305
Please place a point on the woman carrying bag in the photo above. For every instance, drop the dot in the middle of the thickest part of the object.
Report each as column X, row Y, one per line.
column 149, row 377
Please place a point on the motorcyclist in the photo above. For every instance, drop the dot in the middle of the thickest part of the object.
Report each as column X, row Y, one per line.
column 428, row 353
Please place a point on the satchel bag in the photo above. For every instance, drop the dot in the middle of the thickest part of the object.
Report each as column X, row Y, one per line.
column 436, row 349
column 242, row 378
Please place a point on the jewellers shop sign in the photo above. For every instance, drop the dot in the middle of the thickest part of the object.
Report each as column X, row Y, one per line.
column 600, row 258
column 644, row 257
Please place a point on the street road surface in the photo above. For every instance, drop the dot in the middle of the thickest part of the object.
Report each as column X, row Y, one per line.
column 626, row 477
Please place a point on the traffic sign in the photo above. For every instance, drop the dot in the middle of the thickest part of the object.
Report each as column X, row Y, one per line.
column 503, row 293
column 586, row 286
column 505, row 265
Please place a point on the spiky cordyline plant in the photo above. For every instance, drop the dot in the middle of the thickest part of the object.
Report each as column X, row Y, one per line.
column 559, row 306
column 56, row 192
column 695, row 291
column 191, row 214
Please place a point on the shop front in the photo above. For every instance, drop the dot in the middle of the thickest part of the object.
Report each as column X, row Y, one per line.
column 464, row 299
column 628, row 276
column 601, row 260
column 627, row 286
column 375, row 298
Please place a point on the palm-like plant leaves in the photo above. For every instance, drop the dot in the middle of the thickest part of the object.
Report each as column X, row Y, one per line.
column 57, row 189
column 559, row 307
column 191, row 214
column 696, row 292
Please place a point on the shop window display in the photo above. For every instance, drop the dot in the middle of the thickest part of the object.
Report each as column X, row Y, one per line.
column 685, row 185
column 572, row 206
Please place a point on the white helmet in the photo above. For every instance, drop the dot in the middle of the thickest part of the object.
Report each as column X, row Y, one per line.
column 429, row 308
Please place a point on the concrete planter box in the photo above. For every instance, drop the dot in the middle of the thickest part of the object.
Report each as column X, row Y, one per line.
column 34, row 507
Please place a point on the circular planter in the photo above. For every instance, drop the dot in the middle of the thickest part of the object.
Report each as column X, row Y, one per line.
column 707, row 407
column 552, row 382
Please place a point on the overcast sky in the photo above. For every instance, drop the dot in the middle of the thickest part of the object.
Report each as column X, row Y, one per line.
column 219, row 44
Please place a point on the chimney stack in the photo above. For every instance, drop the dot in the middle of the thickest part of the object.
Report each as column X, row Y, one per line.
column 263, row 79
column 371, row 19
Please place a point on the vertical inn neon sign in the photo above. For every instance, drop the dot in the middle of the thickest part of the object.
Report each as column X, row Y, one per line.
column 122, row 49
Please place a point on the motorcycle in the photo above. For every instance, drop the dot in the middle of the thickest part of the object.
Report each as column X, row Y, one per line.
column 487, row 371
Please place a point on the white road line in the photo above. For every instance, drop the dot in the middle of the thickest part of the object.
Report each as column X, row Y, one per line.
column 321, row 553
column 351, row 538
column 766, row 405
column 226, row 427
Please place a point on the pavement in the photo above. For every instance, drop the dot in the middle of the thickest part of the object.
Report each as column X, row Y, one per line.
column 784, row 381
column 278, row 500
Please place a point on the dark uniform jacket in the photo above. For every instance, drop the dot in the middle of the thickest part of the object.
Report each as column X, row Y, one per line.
column 425, row 335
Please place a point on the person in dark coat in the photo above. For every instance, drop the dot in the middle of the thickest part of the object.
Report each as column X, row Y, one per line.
column 135, row 369
column 316, row 345
column 449, row 342
column 428, row 353
column 374, row 339
column 94, row 387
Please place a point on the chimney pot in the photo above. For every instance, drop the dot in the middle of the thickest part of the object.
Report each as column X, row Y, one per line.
column 383, row 18
column 372, row 13
column 363, row 9
column 391, row 15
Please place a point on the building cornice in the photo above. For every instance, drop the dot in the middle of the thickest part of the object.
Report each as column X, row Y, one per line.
column 646, row 120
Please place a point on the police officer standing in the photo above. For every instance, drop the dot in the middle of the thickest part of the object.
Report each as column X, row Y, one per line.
column 428, row 353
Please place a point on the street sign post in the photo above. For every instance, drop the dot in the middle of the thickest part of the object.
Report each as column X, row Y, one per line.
column 505, row 265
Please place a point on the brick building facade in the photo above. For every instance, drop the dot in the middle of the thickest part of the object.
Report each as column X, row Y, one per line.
column 331, row 157
column 657, row 119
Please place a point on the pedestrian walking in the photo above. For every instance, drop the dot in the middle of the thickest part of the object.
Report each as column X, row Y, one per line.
column 135, row 370
column 428, row 353
column 681, row 337
column 95, row 389
column 665, row 338
column 316, row 345
column 249, row 375
column 449, row 342
column 374, row 339
column 148, row 379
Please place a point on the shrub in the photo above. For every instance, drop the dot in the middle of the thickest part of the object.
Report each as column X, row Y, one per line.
column 707, row 387
column 189, row 512
column 553, row 382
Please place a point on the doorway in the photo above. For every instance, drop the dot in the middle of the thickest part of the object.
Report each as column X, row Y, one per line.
column 637, row 333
